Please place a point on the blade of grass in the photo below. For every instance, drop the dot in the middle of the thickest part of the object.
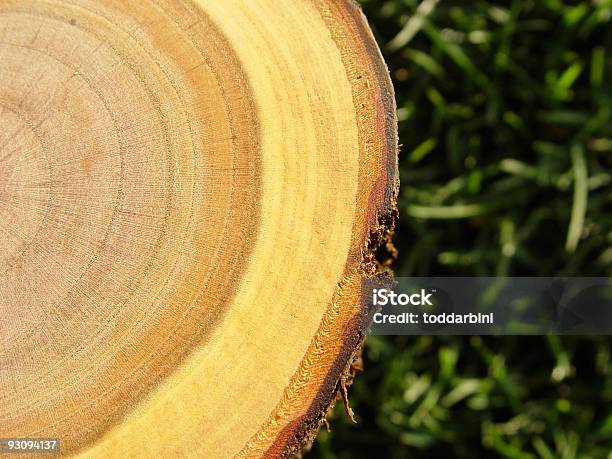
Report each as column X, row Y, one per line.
column 543, row 450
column 425, row 61
column 422, row 150
column 569, row 77
column 456, row 54
column 579, row 204
column 447, row 212
column 413, row 25
column 597, row 67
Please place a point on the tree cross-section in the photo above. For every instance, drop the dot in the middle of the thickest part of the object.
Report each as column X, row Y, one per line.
column 191, row 194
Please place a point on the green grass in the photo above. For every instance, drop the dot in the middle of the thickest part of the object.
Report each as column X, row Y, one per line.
column 505, row 115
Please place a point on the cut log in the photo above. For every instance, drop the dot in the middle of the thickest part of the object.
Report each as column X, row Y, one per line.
column 191, row 195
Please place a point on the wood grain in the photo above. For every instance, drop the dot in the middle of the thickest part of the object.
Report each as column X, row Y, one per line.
column 191, row 193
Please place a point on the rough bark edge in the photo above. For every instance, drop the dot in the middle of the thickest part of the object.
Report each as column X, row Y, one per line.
column 341, row 375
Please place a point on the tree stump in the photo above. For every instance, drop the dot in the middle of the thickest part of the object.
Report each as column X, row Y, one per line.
column 191, row 194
